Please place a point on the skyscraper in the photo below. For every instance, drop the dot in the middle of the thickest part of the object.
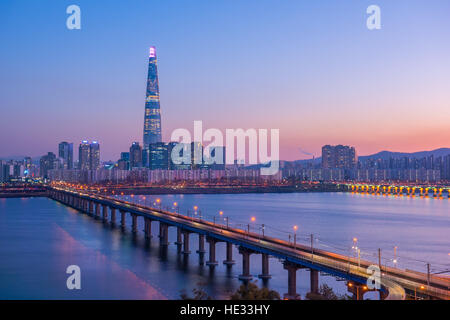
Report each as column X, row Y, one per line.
column 95, row 155
column 135, row 155
column 47, row 162
column 152, row 118
column 159, row 156
column 84, row 155
column 65, row 152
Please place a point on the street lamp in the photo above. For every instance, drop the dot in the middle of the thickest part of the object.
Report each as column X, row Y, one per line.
column 195, row 210
column 355, row 243
column 253, row 219
column 295, row 237
column 177, row 208
column 395, row 256
column 158, row 201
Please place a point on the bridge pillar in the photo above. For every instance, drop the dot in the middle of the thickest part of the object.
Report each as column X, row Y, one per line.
column 122, row 218
column 105, row 212
column 113, row 216
column 91, row 207
column 148, row 228
column 163, row 234
column 179, row 241
column 186, row 242
column 134, row 223
column 314, row 281
column 97, row 210
column 265, row 267
column 292, row 281
column 212, row 252
column 358, row 290
column 201, row 244
column 229, row 261
column 245, row 264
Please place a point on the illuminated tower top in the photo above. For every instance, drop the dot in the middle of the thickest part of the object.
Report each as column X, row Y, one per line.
column 152, row 118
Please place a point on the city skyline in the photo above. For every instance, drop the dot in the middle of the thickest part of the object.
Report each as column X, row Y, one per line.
column 318, row 100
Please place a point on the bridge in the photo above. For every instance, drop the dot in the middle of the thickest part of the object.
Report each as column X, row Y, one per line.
column 407, row 190
column 396, row 284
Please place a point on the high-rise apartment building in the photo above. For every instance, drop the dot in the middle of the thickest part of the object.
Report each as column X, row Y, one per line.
column 65, row 153
column 339, row 156
column 135, row 155
column 84, row 155
column 152, row 118
column 46, row 163
column 159, row 156
column 94, row 155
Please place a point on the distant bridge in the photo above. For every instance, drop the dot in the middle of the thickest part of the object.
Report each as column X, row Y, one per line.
column 395, row 283
column 407, row 190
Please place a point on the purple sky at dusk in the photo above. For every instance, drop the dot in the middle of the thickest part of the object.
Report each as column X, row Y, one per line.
column 309, row 68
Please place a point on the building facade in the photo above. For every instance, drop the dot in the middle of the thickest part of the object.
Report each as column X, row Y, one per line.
column 343, row 157
column 152, row 118
column 65, row 153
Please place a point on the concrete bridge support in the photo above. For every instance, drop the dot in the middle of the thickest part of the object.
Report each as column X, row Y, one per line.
column 265, row 267
column 113, row 216
column 147, row 228
column 245, row 264
column 105, row 212
column 314, row 280
column 186, row 243
column 292, row 281
column 358, row 290
column 229, row 261
column 163, row 234
column 122, row 218
column 134, row 222
column 212, row 252
column 179, row 241
column 91, row 208
column 201, row 244
column 97, row 210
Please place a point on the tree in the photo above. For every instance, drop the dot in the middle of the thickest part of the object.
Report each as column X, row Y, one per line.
column 250, row 291
column 198, row 293
column 326, row 293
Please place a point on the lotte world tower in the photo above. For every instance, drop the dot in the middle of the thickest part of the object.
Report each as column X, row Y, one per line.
column 152, row 120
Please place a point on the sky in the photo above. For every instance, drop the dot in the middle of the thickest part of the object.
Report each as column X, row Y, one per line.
column 311, row 69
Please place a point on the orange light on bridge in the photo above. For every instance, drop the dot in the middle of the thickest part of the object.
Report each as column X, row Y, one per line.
column 195, row 208
column 175, row 204
column 158, row 200
column 295, row 228
column 253, row 219
column 221, row 213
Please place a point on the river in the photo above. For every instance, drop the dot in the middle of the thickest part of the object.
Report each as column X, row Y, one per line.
column 39, row 238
